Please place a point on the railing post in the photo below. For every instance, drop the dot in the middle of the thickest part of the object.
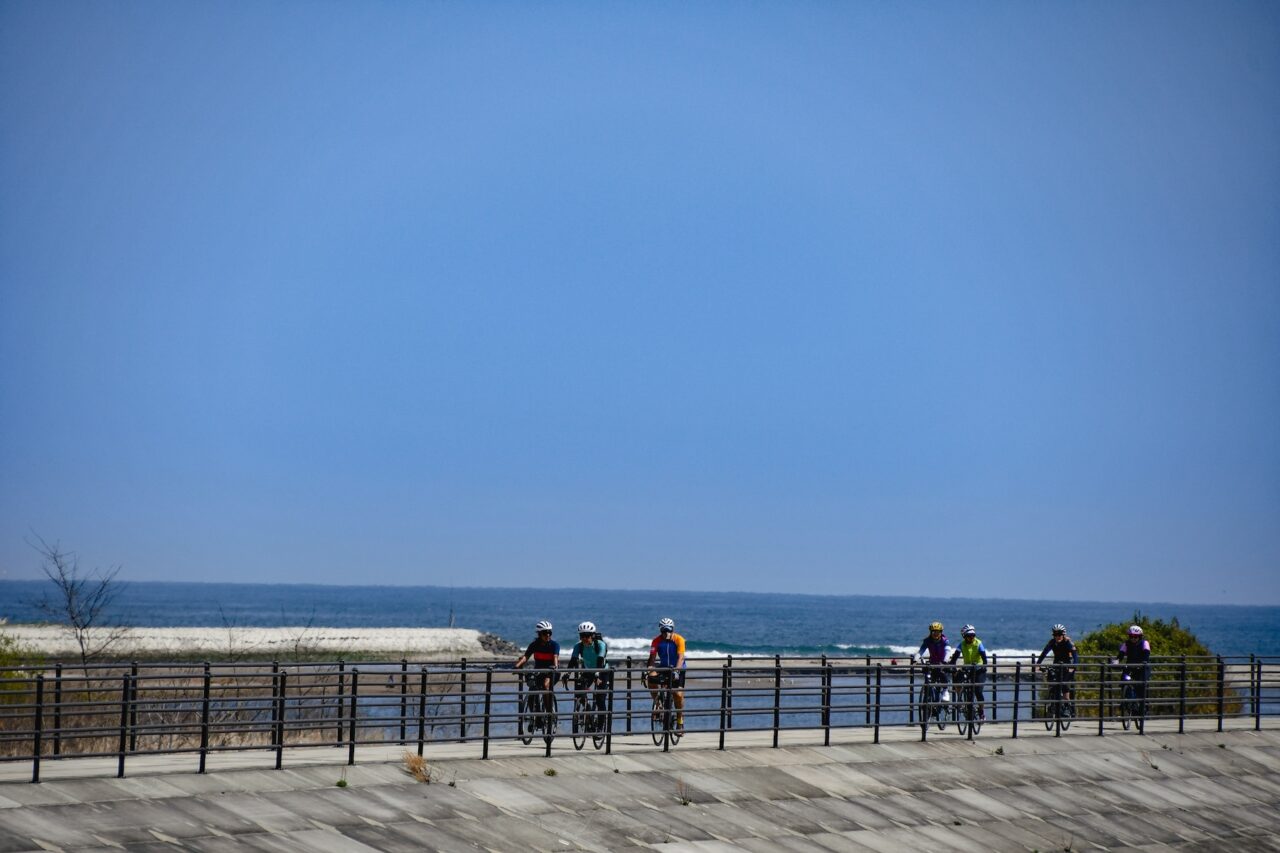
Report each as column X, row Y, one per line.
column 275, row 694
column 404, row 698
column 608, row 720
column 866, row 698
column 629, row 676
column 777, row 697
column 1222, row 690
column 1182, row 695
column 488, row 707
column 126, row 691
column 826, row 701
column 133, row 708
column 1017, row 692
column 422, row 710
column 724, row 695
column 1253, row 697
column 995, row 688
column 1102, row 694
column 924, row 685
column 38, row 746
column 1035, row 687
column 728, row 661
column 1257, row 703
column 462, row 702
column 351, row 723
column 879, row 668
column 57, row 709
column 342, row 703
column 911, row 692
column 280, row 710
column 205, row 691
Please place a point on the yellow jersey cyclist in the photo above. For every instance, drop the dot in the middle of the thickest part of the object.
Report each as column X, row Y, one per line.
column 588, row 656
column 667, row 662
column 973, row 654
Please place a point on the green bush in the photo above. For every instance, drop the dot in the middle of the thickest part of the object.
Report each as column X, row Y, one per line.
column 1169, row 643
column 13, row 654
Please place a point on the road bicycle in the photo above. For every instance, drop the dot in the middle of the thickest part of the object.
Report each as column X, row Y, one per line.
column 1132, row 707
column 538, row 708
column 967, row 705
column 931, row 705
column 1058, row 710
column 662, row 718
column 590, row 718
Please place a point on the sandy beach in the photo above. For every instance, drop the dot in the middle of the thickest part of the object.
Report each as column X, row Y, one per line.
column 222, row 643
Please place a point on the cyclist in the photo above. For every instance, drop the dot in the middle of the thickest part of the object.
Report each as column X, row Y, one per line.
column 936, row 645
column 1135, row 655
column 1065, row 658
column 545, row 654
column 974, row 654
column 589, row 654
column 667, row 652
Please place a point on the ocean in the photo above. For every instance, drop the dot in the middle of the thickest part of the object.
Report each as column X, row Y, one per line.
column 713, row 623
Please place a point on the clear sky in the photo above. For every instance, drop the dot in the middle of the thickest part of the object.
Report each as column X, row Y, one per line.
column 856, row 297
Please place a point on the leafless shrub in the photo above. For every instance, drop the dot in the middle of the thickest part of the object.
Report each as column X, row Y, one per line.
column 80, row 601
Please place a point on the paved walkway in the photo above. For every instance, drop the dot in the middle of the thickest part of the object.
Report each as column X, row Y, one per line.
column 1198, row 791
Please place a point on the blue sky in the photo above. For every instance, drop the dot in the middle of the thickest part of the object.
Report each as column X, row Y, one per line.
column 847, row 297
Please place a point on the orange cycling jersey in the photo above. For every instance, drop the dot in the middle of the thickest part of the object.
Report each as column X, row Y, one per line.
column 667, row 651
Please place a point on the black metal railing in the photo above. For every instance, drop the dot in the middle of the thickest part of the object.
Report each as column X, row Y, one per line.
column 118, row 711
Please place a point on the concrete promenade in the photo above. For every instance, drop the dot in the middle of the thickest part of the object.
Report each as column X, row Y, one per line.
column 1202, row 790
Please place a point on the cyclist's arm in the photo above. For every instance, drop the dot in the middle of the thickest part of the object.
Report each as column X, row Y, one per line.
column 982, row 650
column 679, row 651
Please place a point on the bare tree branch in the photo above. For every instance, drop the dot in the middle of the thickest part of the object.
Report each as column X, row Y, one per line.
column 80, row 602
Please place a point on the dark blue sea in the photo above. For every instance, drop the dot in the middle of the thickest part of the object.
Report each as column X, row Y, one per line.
column 713, row 623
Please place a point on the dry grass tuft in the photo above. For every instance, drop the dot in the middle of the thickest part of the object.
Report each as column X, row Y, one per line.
column 416, row 766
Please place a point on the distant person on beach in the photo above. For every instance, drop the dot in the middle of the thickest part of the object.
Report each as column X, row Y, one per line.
column 974, row 654
column 666, row 660
column 545, row 654
column 938, row 650
column 589, row 654
column 1065, row 658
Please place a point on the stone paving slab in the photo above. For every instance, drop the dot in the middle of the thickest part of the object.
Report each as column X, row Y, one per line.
column 1204, row 790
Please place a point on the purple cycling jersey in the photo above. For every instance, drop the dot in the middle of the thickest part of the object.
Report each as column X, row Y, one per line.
column 937, row 648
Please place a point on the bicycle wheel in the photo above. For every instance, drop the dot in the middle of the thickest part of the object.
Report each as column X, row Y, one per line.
column 1126, row 707
column 669, row 727
column 524, row 719
column 579, row 724
column 925, row 708
column 550, row 717
column 599, row 722
column 1050, row 710
column 1068, row 712
column 941, row 710
column 655, row 721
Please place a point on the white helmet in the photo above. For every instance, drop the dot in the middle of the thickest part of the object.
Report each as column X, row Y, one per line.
column 587, row 628
column 968, row 631
column 1059, row 628
column 1135, row 630
column 666, row 624
column 544, row 625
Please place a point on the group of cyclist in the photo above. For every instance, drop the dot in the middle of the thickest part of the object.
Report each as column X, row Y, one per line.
column 1134, row 656
column 666, row 664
